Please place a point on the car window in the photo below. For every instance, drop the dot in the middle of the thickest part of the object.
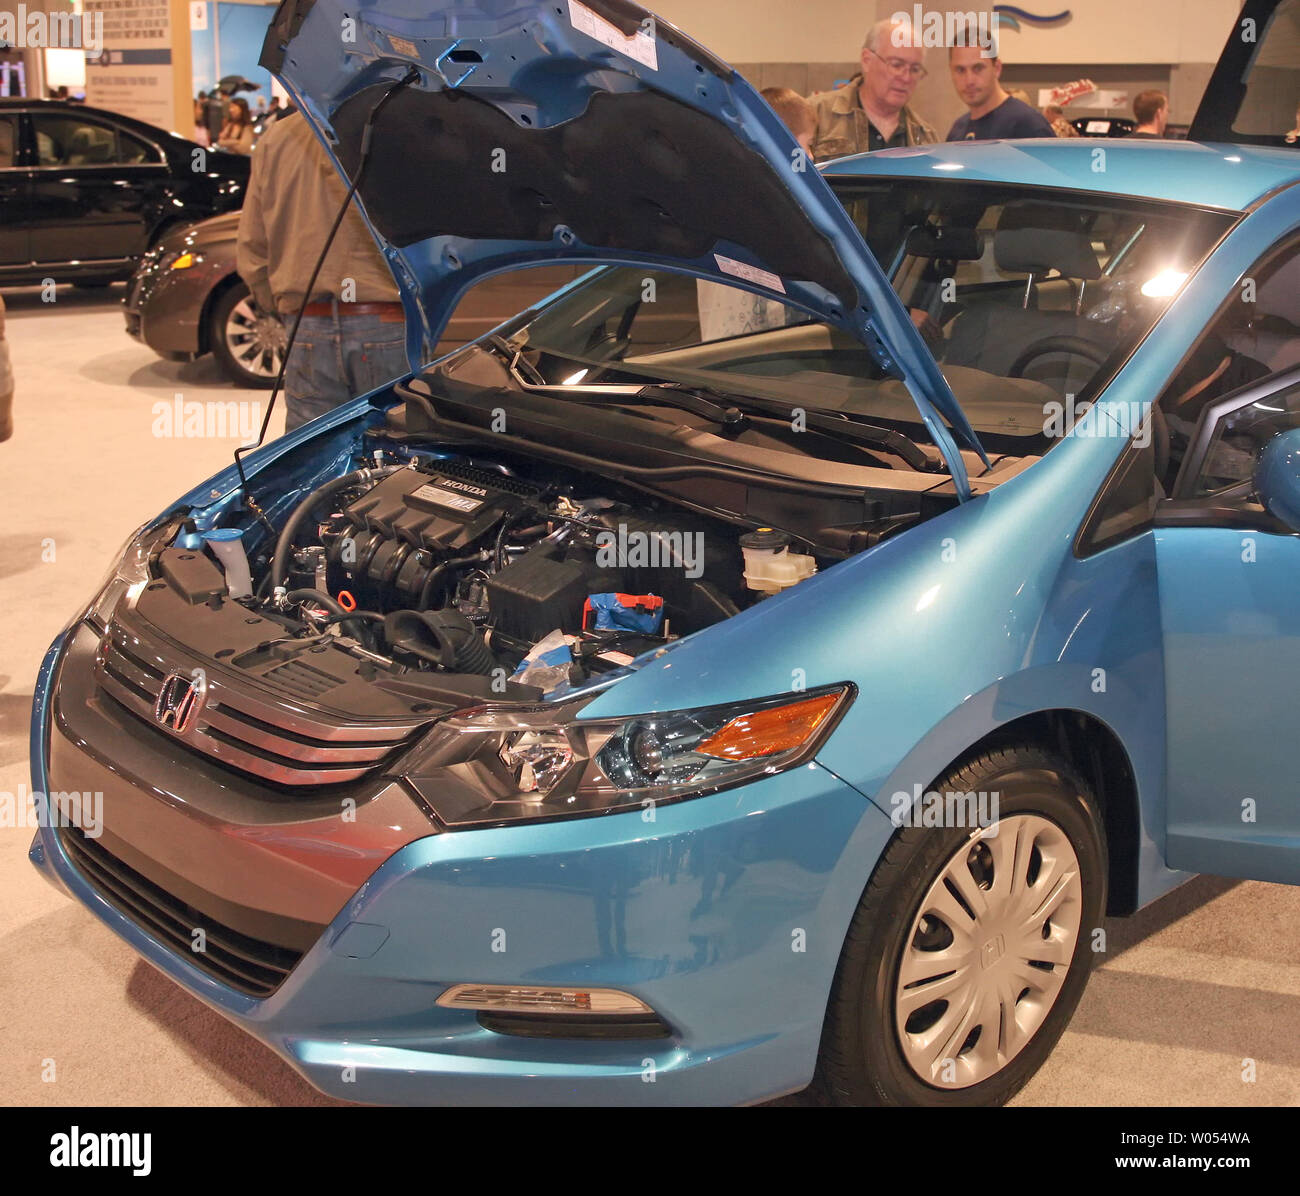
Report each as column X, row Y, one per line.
column 1028, row 300
column 1256, row 334
column 132, row 150
column 1109, row 234
column 1239, row 436
column 619, row 313
column 493, row 300
column 1020, row 285
column 8, row 141
column 73, row 140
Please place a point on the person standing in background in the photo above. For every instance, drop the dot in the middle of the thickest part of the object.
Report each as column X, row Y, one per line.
column 1054, row 114
column 214, row 115
column 993, row 112
column 201, row 134
column 872, row 111
column 237, row 133
column 1152, row 111
column 352, row 337
column 798, row 114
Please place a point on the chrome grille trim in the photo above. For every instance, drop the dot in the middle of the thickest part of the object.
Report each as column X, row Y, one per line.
column 282, row 743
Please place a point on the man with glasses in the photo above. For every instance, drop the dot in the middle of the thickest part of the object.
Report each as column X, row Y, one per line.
column 871, row 111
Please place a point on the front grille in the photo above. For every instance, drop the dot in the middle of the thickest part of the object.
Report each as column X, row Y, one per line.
column 285, row 746
column 250, row 965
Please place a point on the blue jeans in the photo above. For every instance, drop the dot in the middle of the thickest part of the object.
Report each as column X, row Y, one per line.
column 335, row 358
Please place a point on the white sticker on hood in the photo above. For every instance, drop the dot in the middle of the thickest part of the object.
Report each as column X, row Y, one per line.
column 640, row 46
column 764, row 278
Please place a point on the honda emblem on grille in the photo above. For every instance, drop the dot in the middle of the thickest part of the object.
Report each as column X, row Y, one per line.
column 179, row 701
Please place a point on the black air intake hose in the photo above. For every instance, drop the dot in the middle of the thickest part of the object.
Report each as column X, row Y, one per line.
column 284, row 545
column 443, row 638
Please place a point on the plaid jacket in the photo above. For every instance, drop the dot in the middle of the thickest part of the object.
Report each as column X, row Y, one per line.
column 844, row 128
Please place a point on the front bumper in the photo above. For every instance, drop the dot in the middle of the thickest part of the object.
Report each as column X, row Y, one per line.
column 163, row 308
column 726, row 914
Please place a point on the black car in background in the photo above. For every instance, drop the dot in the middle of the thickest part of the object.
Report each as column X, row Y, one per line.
column 85, row 193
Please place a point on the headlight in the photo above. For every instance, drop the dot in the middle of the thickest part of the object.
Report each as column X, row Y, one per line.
column 129, row 572
column 502, row 763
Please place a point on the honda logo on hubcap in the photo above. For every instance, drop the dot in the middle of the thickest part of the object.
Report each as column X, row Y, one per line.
column 179, row 701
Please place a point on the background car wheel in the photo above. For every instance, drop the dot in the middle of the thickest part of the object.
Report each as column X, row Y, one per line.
column 249, row 345
column 970, row 948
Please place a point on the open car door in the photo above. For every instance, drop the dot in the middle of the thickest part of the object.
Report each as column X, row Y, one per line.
column 1253, row 97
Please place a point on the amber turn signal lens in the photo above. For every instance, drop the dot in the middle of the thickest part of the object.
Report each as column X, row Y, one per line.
column 766, row 732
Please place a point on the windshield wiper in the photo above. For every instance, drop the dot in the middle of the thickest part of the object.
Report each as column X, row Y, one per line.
column 729, row 417
column 513, row 356
column 892, row 441
column 850, row 428
column 721, row 408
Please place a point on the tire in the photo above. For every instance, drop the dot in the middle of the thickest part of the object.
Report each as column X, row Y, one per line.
column 235, row 334
column 863, row 1058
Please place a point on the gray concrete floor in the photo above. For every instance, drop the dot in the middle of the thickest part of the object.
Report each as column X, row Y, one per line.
column 1193, row 988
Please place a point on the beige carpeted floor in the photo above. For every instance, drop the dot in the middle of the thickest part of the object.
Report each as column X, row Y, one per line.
column 1192, row 988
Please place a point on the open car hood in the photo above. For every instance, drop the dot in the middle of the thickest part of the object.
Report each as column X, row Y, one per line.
column 586, row 132
column 1252, row 96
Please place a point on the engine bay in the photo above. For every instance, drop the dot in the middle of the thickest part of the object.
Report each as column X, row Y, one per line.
column 467, row 567
column 441, row 564
column 423, row 581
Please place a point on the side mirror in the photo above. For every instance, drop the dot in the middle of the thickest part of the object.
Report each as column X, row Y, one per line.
column 1277, row 477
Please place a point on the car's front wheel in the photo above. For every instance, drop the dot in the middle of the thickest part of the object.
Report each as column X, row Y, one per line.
column 249, row 344
column 971, row 945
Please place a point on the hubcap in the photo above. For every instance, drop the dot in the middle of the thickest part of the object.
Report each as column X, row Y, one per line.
column 988, row 951
column 255, row 341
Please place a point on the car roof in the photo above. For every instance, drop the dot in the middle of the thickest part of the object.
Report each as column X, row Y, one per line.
column 1220, row 176
column 38, row 102
column 35, row 103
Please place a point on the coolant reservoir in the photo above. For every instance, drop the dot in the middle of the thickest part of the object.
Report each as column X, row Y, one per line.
column 770, row 566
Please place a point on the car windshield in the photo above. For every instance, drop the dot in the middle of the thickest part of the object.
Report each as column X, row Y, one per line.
column 1027, row 298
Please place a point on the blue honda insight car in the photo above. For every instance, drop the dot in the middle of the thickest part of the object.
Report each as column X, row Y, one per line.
column 706, row 684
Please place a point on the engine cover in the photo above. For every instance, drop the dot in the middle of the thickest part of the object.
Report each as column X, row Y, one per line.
column 445, row 507
column 415, row 518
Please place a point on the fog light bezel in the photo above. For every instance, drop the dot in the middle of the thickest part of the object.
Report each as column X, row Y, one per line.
column 543, row 1000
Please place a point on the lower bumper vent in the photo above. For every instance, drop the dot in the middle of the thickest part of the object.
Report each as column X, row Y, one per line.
column 250, row 965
